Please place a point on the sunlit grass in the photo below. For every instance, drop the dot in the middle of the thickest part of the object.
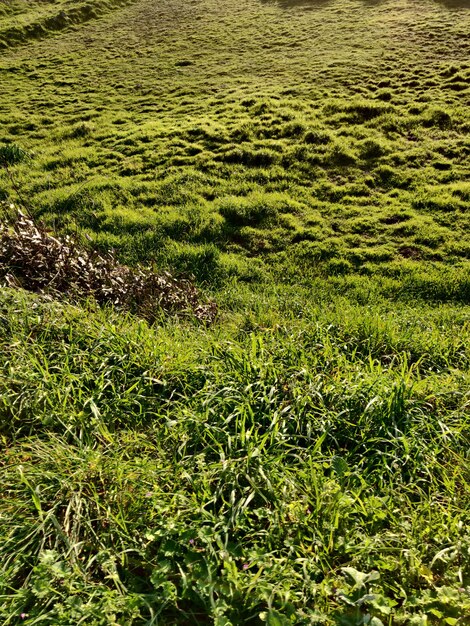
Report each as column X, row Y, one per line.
column 183, row 472
column 304, row 459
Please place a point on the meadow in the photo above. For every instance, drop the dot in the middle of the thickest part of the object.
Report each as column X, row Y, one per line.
column 304, row 457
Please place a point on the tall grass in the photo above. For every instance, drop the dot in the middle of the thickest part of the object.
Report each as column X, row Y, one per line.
column 311, row 471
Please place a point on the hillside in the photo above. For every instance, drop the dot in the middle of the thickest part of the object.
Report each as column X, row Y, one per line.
column 302, row 458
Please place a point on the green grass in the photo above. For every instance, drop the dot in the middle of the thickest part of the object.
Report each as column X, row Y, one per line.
column 304, row 460
column 148, row 130
column 181, row 475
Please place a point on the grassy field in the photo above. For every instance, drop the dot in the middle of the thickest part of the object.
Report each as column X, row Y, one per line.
column 305, row 458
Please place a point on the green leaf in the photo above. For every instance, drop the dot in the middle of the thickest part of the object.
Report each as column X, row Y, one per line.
column 274, row 618
column 383, row 604
column 160, row 574
column 360, row 578
column 339, row 465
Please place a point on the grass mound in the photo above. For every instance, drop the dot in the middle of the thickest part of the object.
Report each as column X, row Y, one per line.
column 25, row 23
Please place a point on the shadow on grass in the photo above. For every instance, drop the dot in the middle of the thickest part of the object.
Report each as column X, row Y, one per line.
column 455, row 4
column 312, row 4
column 303, row 4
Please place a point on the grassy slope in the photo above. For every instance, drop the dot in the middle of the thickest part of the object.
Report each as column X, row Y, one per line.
column 182, row 475
column 338, row 132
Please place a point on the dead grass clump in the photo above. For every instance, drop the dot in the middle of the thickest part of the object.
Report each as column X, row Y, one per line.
column 33, row 259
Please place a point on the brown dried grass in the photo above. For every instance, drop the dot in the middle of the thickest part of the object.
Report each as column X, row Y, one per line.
column 34, row 259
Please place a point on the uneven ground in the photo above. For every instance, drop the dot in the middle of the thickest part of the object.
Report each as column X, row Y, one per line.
column 337, row 131
column 305, row 459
